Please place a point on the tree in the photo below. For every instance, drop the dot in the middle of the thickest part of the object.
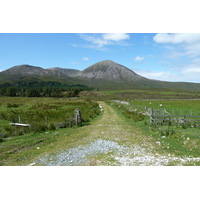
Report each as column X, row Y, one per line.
column 11, row 92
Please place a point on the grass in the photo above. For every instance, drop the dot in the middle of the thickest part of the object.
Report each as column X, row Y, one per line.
column 19, row 145
column 178, row 141
column 42, row 113
column 131, row 127
column 23, row 150
column 150, row 94
column 176, row 107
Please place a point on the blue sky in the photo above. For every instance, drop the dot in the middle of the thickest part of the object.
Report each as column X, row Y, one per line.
column 170, row 57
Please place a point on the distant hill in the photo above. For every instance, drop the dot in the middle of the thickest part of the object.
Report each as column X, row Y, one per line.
column 104, row 75
column 57, row 70
column 109, row 70
column 28, row 70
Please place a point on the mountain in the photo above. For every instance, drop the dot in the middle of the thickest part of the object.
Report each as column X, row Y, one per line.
column 29, row 70
column 25, row 70
column 68, row 72
column 111, row 71
column 104, row 75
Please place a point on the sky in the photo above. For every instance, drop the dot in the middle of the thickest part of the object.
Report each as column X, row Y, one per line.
column 161, row 56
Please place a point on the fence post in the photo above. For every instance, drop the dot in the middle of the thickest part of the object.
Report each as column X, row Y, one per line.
column 47, row 120
column 77, row 117
column 151, row 119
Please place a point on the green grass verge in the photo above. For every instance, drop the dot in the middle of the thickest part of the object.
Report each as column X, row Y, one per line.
column 21, row 149
column 178, row 141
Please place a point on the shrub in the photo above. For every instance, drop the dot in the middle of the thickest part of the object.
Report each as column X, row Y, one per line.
column 2, row 135
column 166, row 132
column 37, row 127
column 134, row 115
column 52, row 126
column 47, row 116
column 10, row 105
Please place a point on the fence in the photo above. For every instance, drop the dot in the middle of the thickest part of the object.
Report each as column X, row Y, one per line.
column 76, row 119
column 161, row 117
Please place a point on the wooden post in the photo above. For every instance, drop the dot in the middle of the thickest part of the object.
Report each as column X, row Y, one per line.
column 19, row 119
column 77, row 116
column 47, row 120
column 151, row 119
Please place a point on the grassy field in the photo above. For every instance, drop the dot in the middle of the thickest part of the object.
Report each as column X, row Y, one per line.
column 178, row 139
column 147, row 94
column 176, row 107
column 46, row 116
column 49, row 131
column 42, row 114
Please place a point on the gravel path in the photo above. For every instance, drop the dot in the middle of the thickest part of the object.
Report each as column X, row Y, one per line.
column 77, row 156
column 112, row 141
column 135, row 156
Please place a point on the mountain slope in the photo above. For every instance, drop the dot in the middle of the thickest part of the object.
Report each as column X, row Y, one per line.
column 25, row 70
column 104, row 75
column 68, row 72
column 110, row 71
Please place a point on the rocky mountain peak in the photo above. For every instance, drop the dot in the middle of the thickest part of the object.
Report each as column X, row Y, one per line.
column 110, row 70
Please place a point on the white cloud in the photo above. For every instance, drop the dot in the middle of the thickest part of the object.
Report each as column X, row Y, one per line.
column 185, row 49
column 95, row 40
column 157, row 75
column 177, row 38
column 191, row 68
column 188, row 73
column 182, row 44
column 98, row 41
column 115, row 36
column 86, row 58
column 139, row 58
column 193, row 50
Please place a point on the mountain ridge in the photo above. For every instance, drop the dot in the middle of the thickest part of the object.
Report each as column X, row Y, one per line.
column 109, row 70
column 104, row 75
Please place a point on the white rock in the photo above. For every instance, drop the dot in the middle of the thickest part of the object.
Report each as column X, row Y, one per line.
column 31, row 164
column 158, row 142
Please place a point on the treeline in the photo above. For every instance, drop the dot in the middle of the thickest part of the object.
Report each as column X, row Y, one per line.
column 41, row 89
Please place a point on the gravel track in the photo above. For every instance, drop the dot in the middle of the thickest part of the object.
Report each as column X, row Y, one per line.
column 134, row 156
column 118, row 142
column 77, row 156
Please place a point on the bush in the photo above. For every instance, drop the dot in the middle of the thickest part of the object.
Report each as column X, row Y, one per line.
column 2, row 135
column 52, row 127
column 37, row 128
column 44, row 116
column 166, row 132
column 10, row 105
column 134, row 115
